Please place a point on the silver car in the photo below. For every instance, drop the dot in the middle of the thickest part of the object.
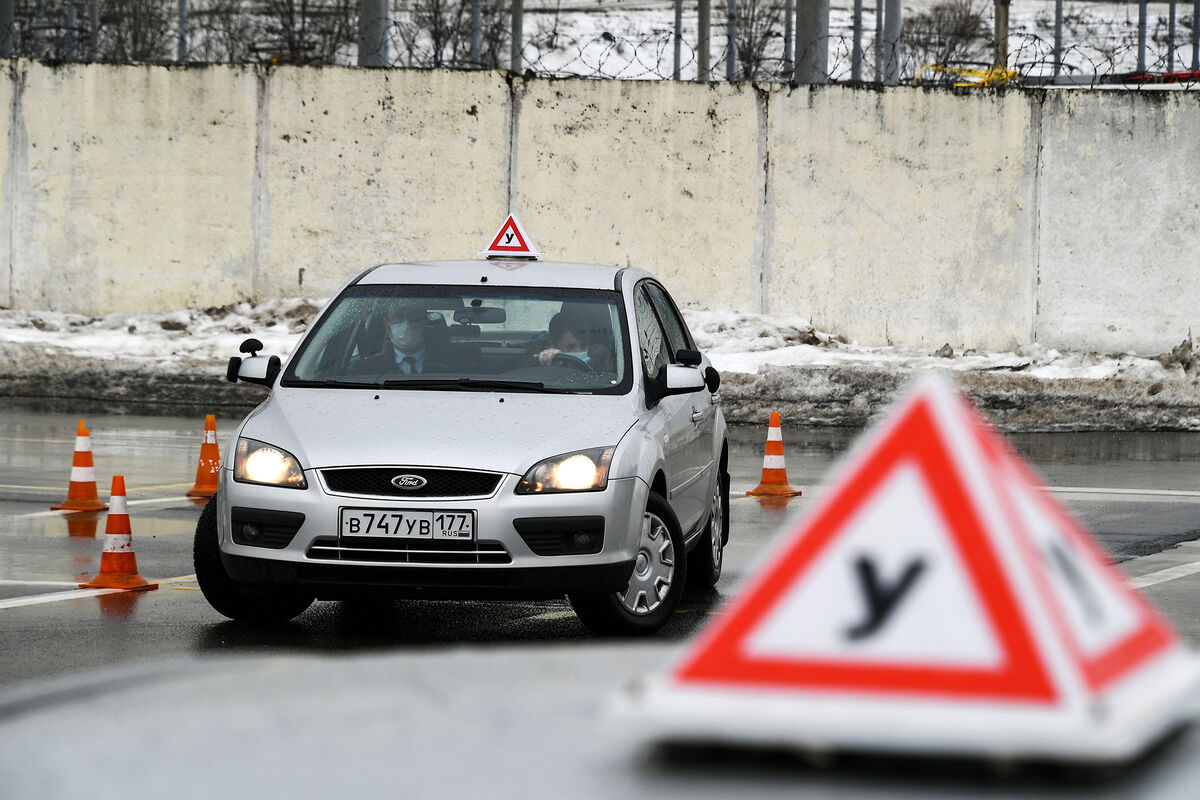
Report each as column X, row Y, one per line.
column 477, row 429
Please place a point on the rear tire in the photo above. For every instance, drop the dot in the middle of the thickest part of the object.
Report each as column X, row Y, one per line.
column 708, row 556
column 660, row 571
column 236, row 600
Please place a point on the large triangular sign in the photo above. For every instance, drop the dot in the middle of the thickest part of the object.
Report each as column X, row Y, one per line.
column 935, row 599
column 511, row 241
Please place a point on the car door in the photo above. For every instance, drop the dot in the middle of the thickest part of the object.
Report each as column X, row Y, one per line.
column 701, row 411
column 671, row 418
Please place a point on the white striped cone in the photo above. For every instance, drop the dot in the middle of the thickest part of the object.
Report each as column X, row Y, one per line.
column 81, row 493
column 774, row 482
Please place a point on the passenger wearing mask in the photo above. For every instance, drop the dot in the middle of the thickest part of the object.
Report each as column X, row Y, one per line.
column 405, row 350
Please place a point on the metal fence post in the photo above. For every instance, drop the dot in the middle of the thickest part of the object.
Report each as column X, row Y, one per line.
column 704, row 12
column 1196, row 35
column 1142, row 12
column 372, row 33
column 7, row 20
column 39, row 29
column 878, row 41
column 1171, row 39
column 678, row 38
column 1002, row 33
column 477, row 34
column 1058, row 37
column 94, row 25
column 891, row 42
column 518, row 34
column 731, row 40
column 72, row 35
column 812, row 41
column 181, row 53
column 856, row 54
column 788, row 35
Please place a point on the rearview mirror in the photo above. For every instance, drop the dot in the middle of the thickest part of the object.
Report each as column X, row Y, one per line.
column 477, row 315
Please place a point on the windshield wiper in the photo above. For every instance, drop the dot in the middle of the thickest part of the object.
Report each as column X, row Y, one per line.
column 468, row 384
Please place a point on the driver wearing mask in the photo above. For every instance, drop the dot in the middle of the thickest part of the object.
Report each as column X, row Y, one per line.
column 566, row 338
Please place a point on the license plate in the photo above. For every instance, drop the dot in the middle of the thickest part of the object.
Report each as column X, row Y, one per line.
column 393, row 524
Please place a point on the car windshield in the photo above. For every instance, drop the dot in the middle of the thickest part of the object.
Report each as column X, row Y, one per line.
column 462, row 338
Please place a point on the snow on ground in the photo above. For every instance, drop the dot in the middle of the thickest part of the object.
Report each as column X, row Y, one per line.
column 769, row 362
column 734, row 341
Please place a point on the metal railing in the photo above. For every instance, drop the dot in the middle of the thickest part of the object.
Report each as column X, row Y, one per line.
column 794, row 41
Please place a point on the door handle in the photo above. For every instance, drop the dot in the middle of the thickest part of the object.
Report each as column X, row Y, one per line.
column 697, row 414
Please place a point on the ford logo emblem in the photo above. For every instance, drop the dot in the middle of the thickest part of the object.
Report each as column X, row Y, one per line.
column 408, row 481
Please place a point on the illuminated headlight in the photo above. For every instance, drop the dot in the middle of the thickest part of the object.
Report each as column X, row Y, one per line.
column 259, row 462
column 583, row 471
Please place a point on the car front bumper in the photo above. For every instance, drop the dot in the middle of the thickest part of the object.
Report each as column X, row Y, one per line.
column 517, row 551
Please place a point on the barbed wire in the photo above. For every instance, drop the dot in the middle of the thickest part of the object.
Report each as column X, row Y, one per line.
column 1098, row 49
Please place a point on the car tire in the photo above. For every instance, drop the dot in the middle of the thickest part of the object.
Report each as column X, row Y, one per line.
column 707, row 557
column 660, row 572
column 236, row 600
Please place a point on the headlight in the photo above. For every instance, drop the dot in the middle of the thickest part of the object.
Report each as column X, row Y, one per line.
column 259, row 462
column 582, row 471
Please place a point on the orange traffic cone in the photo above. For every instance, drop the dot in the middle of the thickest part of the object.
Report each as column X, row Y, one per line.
column 210, row 461
column 118, row 564
column 774, row 481
column 81, row 493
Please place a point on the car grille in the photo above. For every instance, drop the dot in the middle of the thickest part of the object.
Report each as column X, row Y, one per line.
column 407, row 551
column 377, row 482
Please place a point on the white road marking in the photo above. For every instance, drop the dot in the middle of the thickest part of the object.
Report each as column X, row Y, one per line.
column 74, row 594
column 181, row 500
column 54, row 597
column 1164, row 575
column 1099, row 492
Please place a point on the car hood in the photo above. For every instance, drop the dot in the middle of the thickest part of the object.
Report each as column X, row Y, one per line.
column 472, row 430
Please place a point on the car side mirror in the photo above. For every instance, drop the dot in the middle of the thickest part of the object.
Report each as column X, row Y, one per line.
column 712, row 379
column 683, row 380
column 262, row 370
column 689, row 358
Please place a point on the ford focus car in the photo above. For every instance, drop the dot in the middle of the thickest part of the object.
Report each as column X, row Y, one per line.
column 516, row 429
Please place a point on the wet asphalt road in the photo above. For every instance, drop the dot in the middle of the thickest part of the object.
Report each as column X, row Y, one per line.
column 1138, row 493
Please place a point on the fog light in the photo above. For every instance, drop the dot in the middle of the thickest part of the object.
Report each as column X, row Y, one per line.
column 582, row 541
column 251, row 531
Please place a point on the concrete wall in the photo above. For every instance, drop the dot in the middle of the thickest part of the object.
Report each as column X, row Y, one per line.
column 905, row 216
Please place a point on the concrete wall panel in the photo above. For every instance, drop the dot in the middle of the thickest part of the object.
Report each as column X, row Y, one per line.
column 1120, row 241
column 9, row 189
column 137, row 187
column 662, row 175
column 904, row 216
column 366, row 166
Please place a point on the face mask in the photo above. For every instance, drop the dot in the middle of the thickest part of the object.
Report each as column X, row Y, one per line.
column 405, row 336
column 582, row 355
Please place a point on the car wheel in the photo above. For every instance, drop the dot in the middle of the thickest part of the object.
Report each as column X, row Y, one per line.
column 705, row 560
column 231, row 598
column 659, row 575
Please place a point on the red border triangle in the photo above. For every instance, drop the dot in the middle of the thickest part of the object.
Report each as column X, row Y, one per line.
column 1152, row 634
column 510, row 225
column 913, row 440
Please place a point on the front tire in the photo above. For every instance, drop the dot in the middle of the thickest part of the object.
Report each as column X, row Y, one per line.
column 236, row 600
column 706, row 559
column 660, row 571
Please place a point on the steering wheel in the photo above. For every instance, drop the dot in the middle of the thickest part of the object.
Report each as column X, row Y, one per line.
column 570, row 362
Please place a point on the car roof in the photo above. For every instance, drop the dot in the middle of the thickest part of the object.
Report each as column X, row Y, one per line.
column 503, row 272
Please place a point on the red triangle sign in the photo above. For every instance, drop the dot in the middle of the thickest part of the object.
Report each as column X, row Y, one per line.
column 511, row 240
column 1108, row 629
column 934, row 600
column 886, row 585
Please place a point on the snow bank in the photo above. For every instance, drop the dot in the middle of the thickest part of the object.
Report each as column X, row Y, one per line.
column 177, row 359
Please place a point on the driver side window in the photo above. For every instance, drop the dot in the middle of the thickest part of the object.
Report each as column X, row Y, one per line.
column 653, row 340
